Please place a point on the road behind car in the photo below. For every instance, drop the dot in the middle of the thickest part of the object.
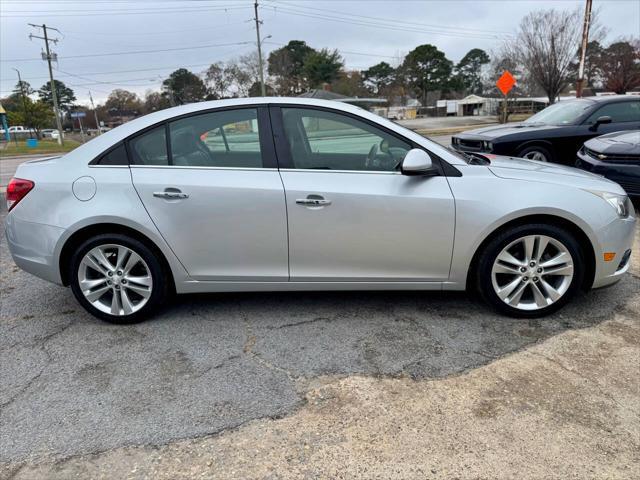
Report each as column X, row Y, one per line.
column 371, row 384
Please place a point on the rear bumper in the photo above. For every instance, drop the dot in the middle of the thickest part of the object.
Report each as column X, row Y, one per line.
column 32, row 246
column 626, row 175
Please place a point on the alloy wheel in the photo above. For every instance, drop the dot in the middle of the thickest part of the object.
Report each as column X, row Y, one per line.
column 532, row 272
column 115, row 279
column 536, row 155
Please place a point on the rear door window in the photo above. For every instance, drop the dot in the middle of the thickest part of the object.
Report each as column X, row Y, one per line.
column 227, row 138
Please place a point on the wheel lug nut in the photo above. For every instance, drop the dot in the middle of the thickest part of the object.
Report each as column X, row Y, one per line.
column 523, row 269
column 119, row 272
column 540, row 270
column 532, row 264
column 535, row 279
column 525, row 279
column 110, row 274
column 123, row 281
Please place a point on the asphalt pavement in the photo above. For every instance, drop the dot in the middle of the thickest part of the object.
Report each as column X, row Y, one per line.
column 73, row 385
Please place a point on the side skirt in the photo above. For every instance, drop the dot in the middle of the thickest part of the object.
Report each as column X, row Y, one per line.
column 204, row 286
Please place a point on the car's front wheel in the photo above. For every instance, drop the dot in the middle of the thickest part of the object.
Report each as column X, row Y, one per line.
column 117, row 278
column 536, row 152
column 530, row 270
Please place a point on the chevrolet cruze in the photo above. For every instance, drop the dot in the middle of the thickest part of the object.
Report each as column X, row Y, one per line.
column 274, row 194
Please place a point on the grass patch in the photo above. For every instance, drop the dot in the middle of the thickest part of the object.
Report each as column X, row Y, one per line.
column 44, row 146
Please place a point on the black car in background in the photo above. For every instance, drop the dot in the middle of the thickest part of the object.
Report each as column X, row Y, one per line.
column 615, row 156
column 556, row 133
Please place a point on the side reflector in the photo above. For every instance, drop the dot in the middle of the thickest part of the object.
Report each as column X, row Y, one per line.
column 609, row 256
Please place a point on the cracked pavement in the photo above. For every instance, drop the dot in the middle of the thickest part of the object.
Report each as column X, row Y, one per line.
column 77, row 392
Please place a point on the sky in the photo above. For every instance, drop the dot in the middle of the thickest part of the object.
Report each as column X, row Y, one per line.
column 134, row 44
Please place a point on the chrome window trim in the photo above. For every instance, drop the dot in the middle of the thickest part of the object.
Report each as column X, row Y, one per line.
column 108, row 166
column 323, row 170
column 189, row 167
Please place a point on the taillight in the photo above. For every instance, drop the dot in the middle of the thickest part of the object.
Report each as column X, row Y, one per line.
column 17, row 190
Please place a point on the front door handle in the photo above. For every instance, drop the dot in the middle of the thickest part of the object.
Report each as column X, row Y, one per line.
column 171, row 194
column 313, row 201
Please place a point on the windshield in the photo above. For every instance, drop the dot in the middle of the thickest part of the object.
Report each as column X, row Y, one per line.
column 562, row 113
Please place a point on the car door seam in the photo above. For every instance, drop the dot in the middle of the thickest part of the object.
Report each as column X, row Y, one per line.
column 133, row 183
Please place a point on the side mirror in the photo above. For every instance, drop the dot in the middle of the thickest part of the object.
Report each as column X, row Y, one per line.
column 600, row 121
column 418, row 162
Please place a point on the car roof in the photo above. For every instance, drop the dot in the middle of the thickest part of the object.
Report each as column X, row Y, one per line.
column 613, row 98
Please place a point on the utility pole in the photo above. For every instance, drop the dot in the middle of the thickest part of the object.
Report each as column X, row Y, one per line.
column 583, row 48
column 54, row 93
column 81, row 130
column 95, row 113
column 24, row 105
column 258, row 22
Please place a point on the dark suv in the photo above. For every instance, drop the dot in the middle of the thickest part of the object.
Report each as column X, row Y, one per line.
column 556, row 133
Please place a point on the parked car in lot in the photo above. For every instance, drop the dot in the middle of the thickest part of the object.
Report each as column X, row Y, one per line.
column 18, row 129
column 616, row 156
column 273, row 194
column 556, row 133
column 50, row 133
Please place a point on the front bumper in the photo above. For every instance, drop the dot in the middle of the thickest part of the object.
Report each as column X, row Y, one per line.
column 625, row 174
column 617, row 237
column 32, row 246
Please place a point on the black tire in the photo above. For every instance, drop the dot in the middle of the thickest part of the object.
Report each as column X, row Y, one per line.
column 159, row 291
column 488, row 256
column 546, row 152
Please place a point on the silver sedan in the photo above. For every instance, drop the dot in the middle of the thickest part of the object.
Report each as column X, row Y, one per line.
column 273, row 194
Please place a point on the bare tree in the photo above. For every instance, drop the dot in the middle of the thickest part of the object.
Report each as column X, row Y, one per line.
column 217, row 80
column 545, row 46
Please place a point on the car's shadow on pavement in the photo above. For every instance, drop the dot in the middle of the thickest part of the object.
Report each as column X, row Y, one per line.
column 73, row 384
column 415, row 334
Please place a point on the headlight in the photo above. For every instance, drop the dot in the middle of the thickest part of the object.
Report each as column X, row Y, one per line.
column 620, row 203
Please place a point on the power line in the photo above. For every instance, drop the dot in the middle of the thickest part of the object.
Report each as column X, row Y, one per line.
column 166, row 32
column 379, row 25
column 95, row 13
column 135, row 52
column 387, row 20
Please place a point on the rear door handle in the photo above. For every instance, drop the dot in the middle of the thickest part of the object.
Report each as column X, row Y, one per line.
column 313, row 202
column 171, row 194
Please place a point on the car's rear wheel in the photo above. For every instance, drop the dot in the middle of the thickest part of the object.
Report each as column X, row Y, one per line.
column 536, row 152
column 530, row 270
column 117, row 278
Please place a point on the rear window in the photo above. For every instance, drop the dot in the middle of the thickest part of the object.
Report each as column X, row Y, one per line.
column 150, row 148
column 115, row 156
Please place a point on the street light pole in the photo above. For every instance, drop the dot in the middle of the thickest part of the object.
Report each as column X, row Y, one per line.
column 262, row 87
column 24, row 104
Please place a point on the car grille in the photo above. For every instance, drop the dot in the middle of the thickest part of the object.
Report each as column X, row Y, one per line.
column 470, row 145
column 632, row 188
column 613, row 157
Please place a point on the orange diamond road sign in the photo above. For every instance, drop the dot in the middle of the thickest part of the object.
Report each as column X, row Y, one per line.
column 506, row 82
